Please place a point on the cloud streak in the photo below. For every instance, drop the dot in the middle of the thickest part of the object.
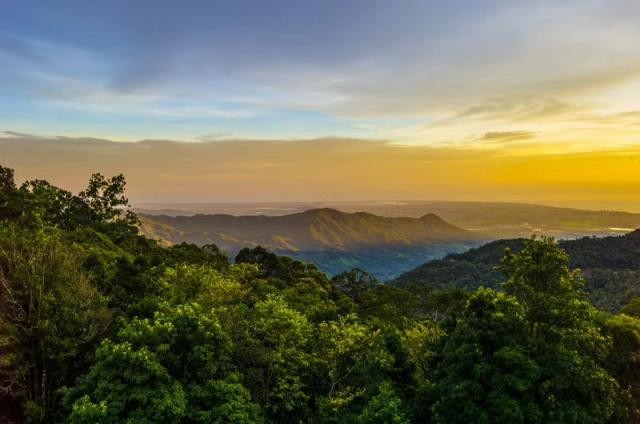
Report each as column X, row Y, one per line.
column 499, row 137
column 331, row 169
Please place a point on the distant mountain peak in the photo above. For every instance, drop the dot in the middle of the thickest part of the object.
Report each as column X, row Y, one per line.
column 314, row 229
column 432, row 217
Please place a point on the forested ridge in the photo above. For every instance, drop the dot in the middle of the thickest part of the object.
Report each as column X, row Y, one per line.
column 610, row 265
column 99, row 324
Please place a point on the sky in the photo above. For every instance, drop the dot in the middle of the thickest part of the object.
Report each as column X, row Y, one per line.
column 327, row 100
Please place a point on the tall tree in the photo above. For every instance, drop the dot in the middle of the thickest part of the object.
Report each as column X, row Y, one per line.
column 531, row 355
column 51, row 318
column 105, row 197
column 7, row 192
column 173, row 368
column 485, row 372
column 623, row 362
column 563, row 334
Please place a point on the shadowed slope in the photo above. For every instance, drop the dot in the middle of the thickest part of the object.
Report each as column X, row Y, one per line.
column 611, row 266
column 333, row 240
column 313, row 230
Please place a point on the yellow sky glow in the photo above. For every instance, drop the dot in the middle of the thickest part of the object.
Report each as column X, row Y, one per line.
column 336, row 169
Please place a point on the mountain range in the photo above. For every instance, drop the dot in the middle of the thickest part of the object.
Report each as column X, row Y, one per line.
column 335, row 241
column 390, row 238
column 494, row 220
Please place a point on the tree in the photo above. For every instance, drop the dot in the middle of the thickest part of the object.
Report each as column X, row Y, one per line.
column 484, row 372
column 173, row 368
column 106, row 199
column 51, row 318
column 632, row 308
column 532, row 354
column 352, row 359
column 38, row 203
column 184, row 253
column 386, row 407
column 7, row 182
column 204, row 284
column 623, row 363
column 355, row 282
column 127, row 385
column 232, row 400
column 282, row 269
column 259, row 255
column 47, row 204
column 562, row 334
column 419, row 341
column 275, row 358
column 7, row 194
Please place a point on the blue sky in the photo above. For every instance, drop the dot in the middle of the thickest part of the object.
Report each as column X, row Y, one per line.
column 414, row 72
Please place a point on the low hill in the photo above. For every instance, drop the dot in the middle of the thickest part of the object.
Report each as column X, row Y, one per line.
column 611, row 266
column 334, row 240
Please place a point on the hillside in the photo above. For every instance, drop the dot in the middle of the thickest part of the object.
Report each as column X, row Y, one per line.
column 494, row 219
column 611, row 266
column 334, row 240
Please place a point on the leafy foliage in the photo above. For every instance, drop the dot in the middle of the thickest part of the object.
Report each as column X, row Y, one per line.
column 172, row 368
column 51, row 318
column 484, row 371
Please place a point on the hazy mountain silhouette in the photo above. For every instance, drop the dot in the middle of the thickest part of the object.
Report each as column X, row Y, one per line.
column 334, row 240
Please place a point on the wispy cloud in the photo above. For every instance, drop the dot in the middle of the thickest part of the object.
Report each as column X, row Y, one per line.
column 499, row 137
column 519, row 109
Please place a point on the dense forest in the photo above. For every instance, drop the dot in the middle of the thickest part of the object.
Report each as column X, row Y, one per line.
column 99, row 324
column 610, row 265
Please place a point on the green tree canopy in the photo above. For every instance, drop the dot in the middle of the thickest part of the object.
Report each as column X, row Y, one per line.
column 533, row 354
column 51, row 318
column 173, row 368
